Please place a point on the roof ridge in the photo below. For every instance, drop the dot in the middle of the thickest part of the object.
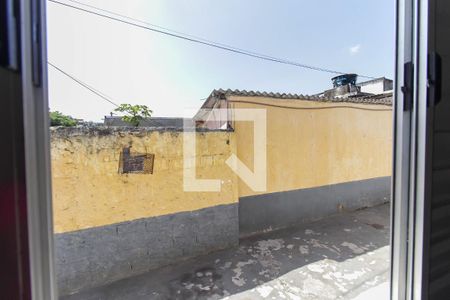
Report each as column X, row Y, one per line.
column 382, row 99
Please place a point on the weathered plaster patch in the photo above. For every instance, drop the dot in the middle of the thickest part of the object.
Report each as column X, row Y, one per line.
column 199, row 274
column 237, row 279
column 317, row 244
column 292, row 296
column 264, row 291
column 312, row 286
column 353, row 247
column 226, row 265
column 351, row 276
column 270, row 245
column 317, row 268
column 311, row 232
column 304, row 249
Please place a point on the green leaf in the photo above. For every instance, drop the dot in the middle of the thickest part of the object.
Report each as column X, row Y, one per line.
column 134, row 113
column 59, row 119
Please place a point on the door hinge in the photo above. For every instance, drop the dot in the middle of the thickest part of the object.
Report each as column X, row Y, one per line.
column 434, row 79
column 36, row 44
column 407, row 88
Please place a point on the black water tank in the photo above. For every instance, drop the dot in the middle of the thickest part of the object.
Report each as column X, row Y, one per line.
column 344, row 79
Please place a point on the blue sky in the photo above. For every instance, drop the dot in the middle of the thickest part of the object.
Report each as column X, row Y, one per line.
column 132, row 65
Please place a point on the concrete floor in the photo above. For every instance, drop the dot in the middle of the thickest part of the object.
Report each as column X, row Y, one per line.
column 341, row 257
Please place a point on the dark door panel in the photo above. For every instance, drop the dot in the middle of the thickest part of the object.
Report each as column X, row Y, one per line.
column 14, row 254
column 437, row 262
column 14, row 277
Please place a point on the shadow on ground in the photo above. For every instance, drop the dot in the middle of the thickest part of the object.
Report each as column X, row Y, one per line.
column 337, row 257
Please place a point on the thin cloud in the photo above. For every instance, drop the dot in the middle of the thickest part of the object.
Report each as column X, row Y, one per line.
column 355, row 49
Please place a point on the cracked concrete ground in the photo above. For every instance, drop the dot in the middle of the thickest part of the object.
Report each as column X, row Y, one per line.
column 344, row 256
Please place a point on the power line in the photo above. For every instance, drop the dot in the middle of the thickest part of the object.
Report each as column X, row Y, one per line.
column 190, row 38
column 182, row 33
column 154, row 25
column 88, row 87
column 107, row 98
column 311, row 108
column 85, row 85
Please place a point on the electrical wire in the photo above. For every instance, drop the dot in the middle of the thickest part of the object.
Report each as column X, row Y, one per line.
column 107, row 98
column 190, row 35
column 312, row 108
column 85, row 85
column 194, row 39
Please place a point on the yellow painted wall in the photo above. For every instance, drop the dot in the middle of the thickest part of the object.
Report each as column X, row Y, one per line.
column 89, row 192
column 312, row 148
column 305, row 148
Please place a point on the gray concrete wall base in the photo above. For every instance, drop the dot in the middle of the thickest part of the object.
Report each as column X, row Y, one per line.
column 272, row 211
column 96, row 256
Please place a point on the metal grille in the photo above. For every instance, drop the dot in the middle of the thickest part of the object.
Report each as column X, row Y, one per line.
column 136, row 163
